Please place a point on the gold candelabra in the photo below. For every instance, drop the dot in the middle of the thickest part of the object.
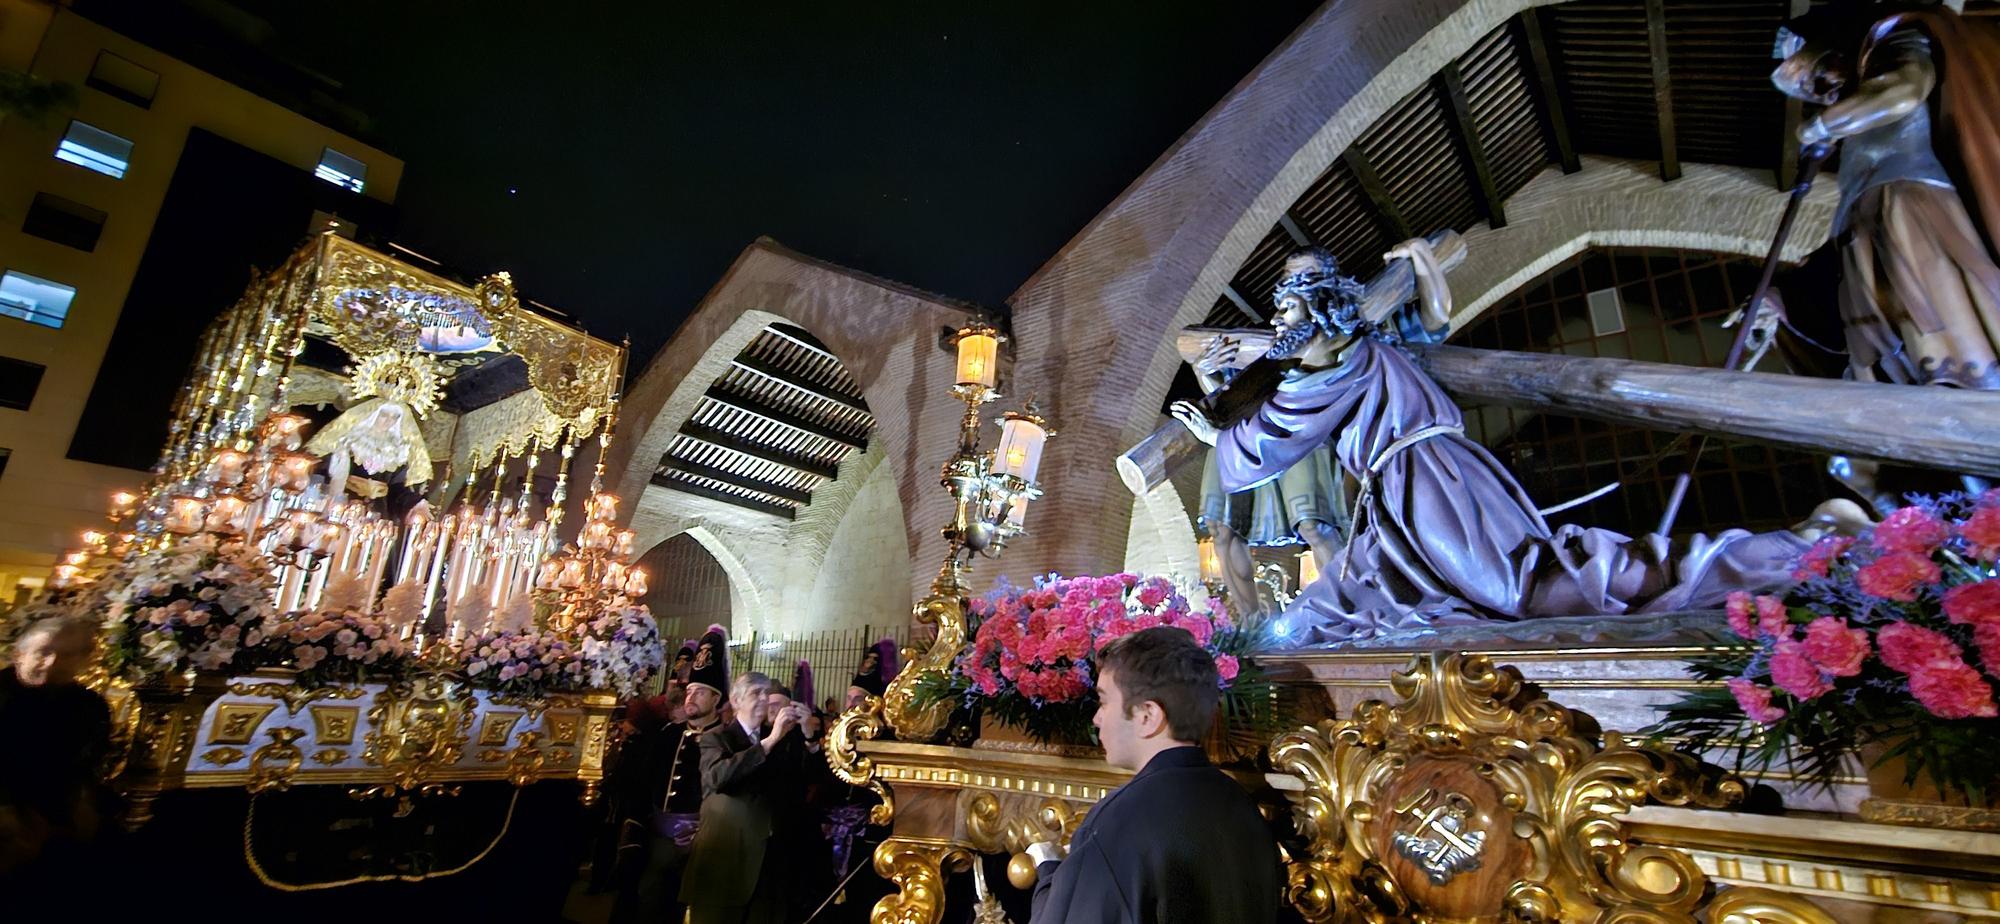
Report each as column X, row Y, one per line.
column 596, row 575
column 990, row 494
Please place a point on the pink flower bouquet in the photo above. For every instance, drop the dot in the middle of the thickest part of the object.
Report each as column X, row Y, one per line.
column 1891, row 637
column 1030, row 664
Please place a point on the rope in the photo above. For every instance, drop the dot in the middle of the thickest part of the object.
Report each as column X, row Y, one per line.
column 257, row 869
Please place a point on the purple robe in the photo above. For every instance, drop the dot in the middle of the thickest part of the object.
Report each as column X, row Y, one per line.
column 1445, row 534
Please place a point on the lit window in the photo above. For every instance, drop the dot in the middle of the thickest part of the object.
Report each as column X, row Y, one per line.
column 341, row 170
column 93, row 148
column 34, row 299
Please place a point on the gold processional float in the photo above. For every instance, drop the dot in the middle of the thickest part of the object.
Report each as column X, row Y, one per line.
column 1453, row 787
column 268, row 627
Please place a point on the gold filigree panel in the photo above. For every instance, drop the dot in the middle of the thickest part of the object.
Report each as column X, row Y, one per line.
column 1470, row 798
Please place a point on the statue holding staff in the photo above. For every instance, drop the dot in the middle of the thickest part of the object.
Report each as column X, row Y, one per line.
column 1441, row 531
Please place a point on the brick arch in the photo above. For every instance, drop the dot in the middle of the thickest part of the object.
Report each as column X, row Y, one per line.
column 885, row 335
column 1096, row 322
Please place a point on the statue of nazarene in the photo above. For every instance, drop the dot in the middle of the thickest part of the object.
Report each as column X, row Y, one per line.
column 1441, row 533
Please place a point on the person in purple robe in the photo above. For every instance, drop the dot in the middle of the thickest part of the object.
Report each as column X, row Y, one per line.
column 1442, row 533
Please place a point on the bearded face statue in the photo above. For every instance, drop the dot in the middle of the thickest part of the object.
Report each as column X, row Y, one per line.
column 1312, row 299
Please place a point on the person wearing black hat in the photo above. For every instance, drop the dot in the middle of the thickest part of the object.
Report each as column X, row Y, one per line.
column 665, row 791
column 872, row 678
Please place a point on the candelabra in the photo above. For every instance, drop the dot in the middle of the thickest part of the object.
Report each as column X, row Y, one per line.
column 990, row 494
column 595, row 575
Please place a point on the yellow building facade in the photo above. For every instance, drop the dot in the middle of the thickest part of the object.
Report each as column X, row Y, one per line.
column 55, row 175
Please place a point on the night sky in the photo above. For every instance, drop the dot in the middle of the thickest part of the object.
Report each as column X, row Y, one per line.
column 617, row 163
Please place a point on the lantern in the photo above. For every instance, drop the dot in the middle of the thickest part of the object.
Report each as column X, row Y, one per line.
column 284, row 432
column 295, row 471
column 122, row 503
column 978, row 356
column 635, row 583
column 1020, row 451
column 226, row 516
column 226, row 469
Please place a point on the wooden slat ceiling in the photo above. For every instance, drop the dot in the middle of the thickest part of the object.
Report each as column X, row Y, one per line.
column 1724, row 112
column 771, row 429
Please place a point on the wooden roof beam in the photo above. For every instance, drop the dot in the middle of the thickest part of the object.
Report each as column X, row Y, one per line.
column 793, row 381
column 1465, row 135
column 730, row 441
column 1378, row 194
column 1663, row 88
column 780, row 416
column 1547, row 93
column 1242, row 304
column 747, row 483
column 685, row 487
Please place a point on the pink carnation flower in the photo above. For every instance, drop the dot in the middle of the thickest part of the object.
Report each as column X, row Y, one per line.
column 1974, row 604
column 1981, row 531
column 1772, row 618
column 1910, row 648
column 1897, row 576
column 1739, row 609
column 1227, row 666
column 1953, row 691
column 1835, row 648
column 1815, row 562
column 1986, row 638
column 1755, row 701
column 1795, row 673
column 1911, row 529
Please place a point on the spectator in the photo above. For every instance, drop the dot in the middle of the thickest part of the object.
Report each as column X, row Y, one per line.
column 737, row 874
column 51, row 806
column 1179, row 844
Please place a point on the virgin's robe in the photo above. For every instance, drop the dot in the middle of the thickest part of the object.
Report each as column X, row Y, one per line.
column 1443, row 533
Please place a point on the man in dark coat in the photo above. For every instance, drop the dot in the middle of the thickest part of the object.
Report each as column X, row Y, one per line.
column 660, row 777
column 735, row 875
column 1181, row 843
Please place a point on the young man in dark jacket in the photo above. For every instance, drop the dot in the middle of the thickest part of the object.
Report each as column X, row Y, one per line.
column 1181, row 843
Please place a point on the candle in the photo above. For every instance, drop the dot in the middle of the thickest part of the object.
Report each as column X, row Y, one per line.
column 625, row 539
column 635, row 583
column 295, row 471
column 185, row 515
column 226, row 516
column 122, row 503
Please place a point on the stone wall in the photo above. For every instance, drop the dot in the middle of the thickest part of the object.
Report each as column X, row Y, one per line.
column 867, row 539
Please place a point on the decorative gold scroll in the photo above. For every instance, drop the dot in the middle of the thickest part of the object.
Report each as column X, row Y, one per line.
column 1471, row 798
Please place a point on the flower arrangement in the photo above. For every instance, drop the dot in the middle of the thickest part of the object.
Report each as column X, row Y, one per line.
column 1890, row 638
column 1030, row 664
column 200, row 603
column 618, row 650
column 336, row 646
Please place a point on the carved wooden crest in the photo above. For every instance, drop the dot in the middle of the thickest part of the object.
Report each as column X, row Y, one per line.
column 1472, row 798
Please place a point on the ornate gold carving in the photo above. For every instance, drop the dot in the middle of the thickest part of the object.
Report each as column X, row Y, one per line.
column 524, row 765
column 1929, row 815
column 335, row 724
column 496, row 728
column 945, row 609
column 562, row 728
column 918, row 870
column 997, row 823
column 414, row 738
column 576, row 375
column 1543, row 800
column 492, row 756
column 273, row 765
column 1746, row 905
column 236, row 723
column 222, row 756
column 862, row 723
column 329, row 756
column 295, row 696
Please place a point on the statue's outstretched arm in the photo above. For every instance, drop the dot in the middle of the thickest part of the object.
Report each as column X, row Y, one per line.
column 1881, row 100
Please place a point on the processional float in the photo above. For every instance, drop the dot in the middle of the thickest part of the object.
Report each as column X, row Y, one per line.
column 383, row 602
column 1437, row 780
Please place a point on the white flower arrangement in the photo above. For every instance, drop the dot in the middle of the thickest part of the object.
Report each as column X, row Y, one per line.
column 199, row 603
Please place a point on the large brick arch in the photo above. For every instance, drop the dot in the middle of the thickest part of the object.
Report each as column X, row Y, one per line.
column 1095, row 322
column 887, row 337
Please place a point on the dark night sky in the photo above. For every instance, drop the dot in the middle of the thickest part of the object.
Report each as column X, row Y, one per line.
column 616, row 162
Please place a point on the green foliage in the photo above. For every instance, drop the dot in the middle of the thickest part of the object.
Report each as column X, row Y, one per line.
column 32, row 98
